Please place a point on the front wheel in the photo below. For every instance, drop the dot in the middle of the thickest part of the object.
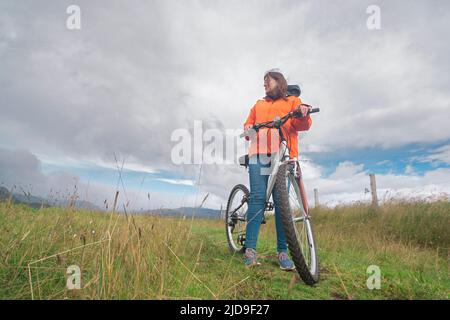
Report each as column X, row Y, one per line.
column 235, row 218
column 297, row 224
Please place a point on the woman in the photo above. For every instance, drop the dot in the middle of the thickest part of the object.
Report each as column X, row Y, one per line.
column 275, row 103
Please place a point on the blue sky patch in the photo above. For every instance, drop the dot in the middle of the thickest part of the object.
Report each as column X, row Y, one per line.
column 144, row 181
column 381, row 161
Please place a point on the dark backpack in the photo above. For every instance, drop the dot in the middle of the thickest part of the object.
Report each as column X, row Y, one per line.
column 293, row 90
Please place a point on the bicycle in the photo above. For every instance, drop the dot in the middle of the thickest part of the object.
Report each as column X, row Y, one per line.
column 286, row 177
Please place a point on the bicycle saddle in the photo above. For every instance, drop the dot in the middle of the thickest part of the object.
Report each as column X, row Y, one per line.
column 243, row 160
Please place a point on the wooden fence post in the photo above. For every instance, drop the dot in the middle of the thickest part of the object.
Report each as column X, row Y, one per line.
column 373, row 189
column 316, row 198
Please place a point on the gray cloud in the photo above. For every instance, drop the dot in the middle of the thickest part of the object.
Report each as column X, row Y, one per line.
column 20, row 171
column 19, row 167
column 136, row 72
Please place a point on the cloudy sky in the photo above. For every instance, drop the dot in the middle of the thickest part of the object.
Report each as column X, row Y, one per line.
column 80, row 106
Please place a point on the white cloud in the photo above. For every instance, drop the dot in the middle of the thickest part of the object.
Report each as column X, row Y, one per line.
column 440, row 154
column 123, row 163
column 125, row 89
column 133, row 74
column 383, row 162
column 349, row 185
column 346, row 170
column 409, row 169
column 184, row 182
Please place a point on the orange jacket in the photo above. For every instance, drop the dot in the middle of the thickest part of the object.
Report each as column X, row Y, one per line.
column 267, row 140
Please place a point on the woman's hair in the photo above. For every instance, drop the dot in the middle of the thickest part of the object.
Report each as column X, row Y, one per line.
column 281, row 89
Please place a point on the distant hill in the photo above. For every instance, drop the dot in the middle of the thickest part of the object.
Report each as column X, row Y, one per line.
column 30, row 200
column 4, row 194
column 38, row 202
column 81, row 204
column 188, row 212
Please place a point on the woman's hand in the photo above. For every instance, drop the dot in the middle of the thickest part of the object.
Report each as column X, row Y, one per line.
column 247, row 127
column 303, row 109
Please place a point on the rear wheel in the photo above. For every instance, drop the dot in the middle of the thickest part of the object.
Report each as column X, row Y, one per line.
column 235, row 218
column 297, row 224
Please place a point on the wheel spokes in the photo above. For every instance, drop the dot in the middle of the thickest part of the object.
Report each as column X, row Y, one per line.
column 299, row 219
column 236, row 219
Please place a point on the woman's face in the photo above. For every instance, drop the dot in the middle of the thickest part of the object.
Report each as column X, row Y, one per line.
column 269, row 84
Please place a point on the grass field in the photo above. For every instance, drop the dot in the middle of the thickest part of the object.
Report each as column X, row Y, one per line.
column 148, row 257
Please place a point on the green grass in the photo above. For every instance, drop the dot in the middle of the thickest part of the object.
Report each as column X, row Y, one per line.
column 145, row 257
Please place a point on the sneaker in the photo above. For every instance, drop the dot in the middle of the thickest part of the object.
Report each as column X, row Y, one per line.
column 250, row 258
column 284, row 261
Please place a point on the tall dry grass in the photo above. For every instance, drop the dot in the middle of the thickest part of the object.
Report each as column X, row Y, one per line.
column 149, row 257
column 120, row 256
column 416, row 223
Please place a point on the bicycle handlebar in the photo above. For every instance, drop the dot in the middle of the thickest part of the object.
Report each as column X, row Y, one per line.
column 276, row 123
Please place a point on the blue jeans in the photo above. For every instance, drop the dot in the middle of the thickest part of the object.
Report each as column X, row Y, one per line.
column 257, row 203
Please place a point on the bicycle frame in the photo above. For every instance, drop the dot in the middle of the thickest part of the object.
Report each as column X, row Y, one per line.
column 280, row 157
column 283, row 156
